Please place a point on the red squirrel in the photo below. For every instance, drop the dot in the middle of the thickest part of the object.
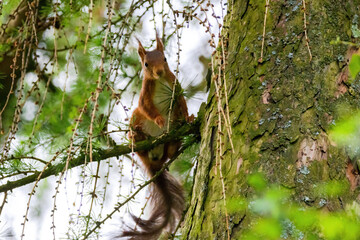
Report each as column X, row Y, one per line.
column 150, row 119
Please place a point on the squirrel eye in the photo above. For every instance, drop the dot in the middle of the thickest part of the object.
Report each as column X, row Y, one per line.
column 165, row 59
column 146, row 64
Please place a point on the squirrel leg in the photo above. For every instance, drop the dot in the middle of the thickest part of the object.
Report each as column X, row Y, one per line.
column 172, row 148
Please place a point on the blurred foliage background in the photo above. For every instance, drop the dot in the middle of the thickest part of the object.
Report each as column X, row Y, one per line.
column 70, row 78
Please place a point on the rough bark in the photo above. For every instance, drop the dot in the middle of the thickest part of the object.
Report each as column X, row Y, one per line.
column 281, row 111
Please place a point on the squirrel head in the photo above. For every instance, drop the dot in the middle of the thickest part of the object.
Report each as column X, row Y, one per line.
column 153, row 62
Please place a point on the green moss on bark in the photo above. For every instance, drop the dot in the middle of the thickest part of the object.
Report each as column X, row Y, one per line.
column 281, row 111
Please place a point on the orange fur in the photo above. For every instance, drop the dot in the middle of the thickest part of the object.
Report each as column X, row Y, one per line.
column 150, row 118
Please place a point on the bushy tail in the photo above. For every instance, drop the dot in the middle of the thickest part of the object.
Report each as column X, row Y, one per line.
column 167, row 200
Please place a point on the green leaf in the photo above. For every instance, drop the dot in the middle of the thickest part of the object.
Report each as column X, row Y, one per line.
column 346, row 130
column 303, row 219
column 346, row 133
column 331, row 226
column 354, row 66
column 257, row 181
column 269, row 228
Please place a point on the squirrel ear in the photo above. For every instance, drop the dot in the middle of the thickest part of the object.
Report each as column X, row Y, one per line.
column 141, row 50
column 159, row 44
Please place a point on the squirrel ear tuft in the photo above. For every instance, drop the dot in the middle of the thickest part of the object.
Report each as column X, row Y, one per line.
column 159, row 43
column 141, row 50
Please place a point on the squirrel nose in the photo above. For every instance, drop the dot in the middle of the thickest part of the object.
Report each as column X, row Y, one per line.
column 159, row 72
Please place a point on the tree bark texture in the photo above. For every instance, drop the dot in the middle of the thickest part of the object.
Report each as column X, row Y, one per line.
column 281, row 110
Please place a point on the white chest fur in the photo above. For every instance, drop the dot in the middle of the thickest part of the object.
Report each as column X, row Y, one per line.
column 162, row 100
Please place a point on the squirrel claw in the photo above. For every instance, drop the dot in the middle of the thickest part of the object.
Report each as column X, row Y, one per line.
column 160, row 121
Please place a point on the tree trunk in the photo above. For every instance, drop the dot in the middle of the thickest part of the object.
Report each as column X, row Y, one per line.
column 281, row 111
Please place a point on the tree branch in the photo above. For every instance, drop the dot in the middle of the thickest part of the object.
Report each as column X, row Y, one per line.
column 139, row 188
column 103, row 154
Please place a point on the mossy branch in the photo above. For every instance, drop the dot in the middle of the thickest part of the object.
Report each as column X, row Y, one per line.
column 103, row 154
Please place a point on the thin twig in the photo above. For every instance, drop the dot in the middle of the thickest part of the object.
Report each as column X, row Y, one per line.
column 89, row 25
column 264, row 31
column 307, row 40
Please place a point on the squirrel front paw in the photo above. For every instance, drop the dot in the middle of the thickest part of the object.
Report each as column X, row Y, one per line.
column 160, row 121
column 132, row 134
